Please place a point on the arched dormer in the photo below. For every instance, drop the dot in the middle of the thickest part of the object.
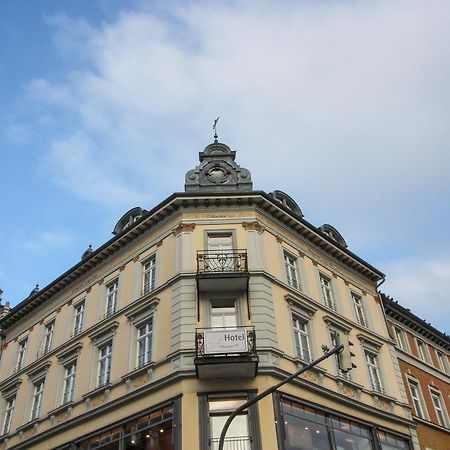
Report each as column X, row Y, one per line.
column 334, row 234
column 287, row 201
column 128, row 219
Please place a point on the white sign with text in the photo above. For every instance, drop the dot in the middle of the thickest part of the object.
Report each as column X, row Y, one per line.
column 225, row 341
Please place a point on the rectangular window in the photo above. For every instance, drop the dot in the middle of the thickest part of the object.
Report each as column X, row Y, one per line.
column 438, row 407
column 111, row 297
column 359, row 311
column 11, row 402
column 417, row 399
column 334, row 337
column 104, row 364
column 372, row 365
column 301, row 338
column 144, row 343
column 442, row 360
column 37, row 399
column 290, row 264
column 69, row 382
column 48, row 336
column 220, row 242
column 21, row 353
column 325, row 284
column 422, row 350
column 238, row 435
column 223, row 313
column 149, row 275
column 400, row 338
column 78, row 318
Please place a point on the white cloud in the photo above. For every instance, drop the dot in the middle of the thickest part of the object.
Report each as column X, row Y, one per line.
column 422, row 286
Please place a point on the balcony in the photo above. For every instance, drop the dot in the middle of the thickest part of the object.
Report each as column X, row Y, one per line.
column 224, row 270
column 226, row 352
column 232, row 443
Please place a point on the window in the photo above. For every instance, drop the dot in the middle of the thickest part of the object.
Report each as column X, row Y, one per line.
column 438, row 407
column 301, row 338
column 48, row 336
column 374, row 375
column 69, row 382
column 79, row 318
column 10, row 403
column 104, row 364
column 422, row 350
column 334, row 337
column 37, row 398
column 359, row 311
column 290, row 264
column 21, row 353
column 417, row 398
column 325, row 284
column 111, row 297
column 149, row 275
column 220, row 242
column 144, row 343
column 442, row 360
column 223, row 313
column 400, row 338
column 237, row 436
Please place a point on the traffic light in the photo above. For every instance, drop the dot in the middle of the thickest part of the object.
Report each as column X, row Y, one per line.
column 345, row 355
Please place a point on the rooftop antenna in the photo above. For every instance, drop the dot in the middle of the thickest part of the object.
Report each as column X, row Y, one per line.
column 215, row 129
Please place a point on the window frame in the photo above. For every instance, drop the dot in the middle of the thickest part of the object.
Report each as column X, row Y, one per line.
column 21, row 353
column 442, row 419
column 417, row 400
column 36, row 404
column 148, row 342
column 104, row 376
column 78, row 318
column 49, row 334
column 331, row 301
column 358, row 309
column 422, row 350
column 69, row 382
column 112, row 296
column 298, row 334
column 400, row 338
column 291, row 270
column 149, row 286
column 374, row 370
column 442, row 360
column 9, row 411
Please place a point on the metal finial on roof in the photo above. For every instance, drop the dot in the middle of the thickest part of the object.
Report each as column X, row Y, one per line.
column 215, row 129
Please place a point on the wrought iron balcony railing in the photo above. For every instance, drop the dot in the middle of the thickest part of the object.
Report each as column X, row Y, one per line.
column 227, row 261
column 233, row 341
column 232, row 443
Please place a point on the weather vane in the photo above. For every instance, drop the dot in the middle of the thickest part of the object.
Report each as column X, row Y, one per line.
column 215, row 129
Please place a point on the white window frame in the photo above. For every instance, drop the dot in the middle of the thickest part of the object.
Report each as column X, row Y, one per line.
column 371, row 359
column 9, row 411
column 439, row 409
column 359, row 309
column 70, row 371
column 217, row 303
column 326, row 287
column 146, row 341
column 38, row 395
column 422, row 350
column 442, row 360
column 301, row 331
column 104, row 364
column 112, row 295
column 417, row 398
column 149, row 274
column 78, row 320
column 291, row 270
column 400, row 338
column 48, row 336
column 23, row 344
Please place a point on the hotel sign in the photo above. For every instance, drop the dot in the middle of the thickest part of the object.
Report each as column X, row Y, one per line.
column 225, row 341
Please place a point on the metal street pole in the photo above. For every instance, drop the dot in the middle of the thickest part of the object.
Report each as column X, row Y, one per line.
column 273, row 388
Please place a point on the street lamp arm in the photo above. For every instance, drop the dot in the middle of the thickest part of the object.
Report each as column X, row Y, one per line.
column 273, row 388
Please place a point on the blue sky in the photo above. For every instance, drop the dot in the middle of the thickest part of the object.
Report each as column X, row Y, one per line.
column 343, row 105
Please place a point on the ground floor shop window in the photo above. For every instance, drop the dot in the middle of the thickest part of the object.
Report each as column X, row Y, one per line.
column 156, row 429
column 303, row 427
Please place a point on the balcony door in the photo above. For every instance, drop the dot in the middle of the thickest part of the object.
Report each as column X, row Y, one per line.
column 223, row 313
column 220, row 242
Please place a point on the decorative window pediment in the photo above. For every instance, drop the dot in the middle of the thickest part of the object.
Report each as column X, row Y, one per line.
column 103, row 333
column 369, row 342
column 142, row 311
column 334, row 323
column 70, row 354
column 38, row 372
column 301, row 306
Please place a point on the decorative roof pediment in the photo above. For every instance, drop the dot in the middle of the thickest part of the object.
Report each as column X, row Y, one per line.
column 218, row 172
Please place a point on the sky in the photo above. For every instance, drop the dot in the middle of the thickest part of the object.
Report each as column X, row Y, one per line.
column 344, row 105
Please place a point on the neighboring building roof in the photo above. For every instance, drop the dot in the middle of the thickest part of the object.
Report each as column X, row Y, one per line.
column 405, row 316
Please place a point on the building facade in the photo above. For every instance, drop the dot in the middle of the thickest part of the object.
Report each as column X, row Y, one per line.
column 423, row 355
column 192, row 308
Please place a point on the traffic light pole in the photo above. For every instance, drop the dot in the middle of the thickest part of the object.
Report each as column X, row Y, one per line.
column 273, row 388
